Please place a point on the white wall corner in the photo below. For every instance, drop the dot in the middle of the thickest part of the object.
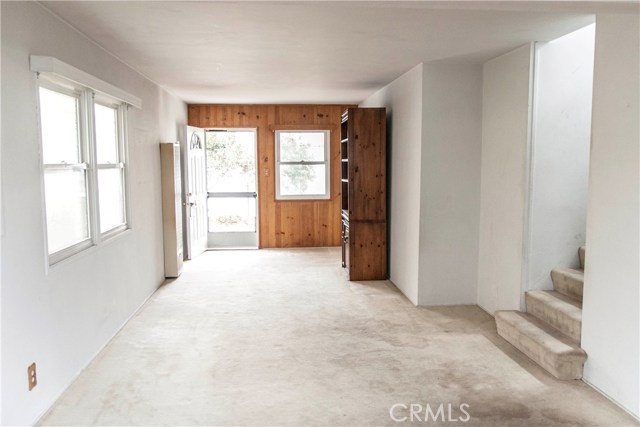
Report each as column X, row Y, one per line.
column 403, row 100
column 506, row 108
column 611, row 304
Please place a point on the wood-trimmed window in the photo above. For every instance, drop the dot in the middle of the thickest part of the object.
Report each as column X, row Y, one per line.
column 302, row 164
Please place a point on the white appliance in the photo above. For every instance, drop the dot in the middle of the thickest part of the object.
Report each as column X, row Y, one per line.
column 171, row 208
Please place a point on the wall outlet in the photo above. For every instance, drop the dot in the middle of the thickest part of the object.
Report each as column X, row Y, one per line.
column 33, row 379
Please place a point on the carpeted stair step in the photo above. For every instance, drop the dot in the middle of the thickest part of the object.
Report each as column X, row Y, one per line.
column 545, row 345
column 559, row 311
column 581, row 254
column 568, row 282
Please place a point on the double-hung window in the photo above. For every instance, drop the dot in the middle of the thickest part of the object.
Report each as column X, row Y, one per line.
column 65, row 162
column 83, row 137
column 302, row 164
column 109, row 141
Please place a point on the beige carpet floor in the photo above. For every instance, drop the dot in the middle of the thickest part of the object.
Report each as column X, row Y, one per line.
column 280, row 337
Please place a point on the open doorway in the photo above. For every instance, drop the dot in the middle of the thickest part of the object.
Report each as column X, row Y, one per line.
column 232, row 197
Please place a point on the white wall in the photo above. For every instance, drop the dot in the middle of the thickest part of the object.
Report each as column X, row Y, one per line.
column 610, row 317
column 403, row 100
column 560, row 163
column 450, row 184
column 1, row 234
column 434, row 115
column 60, row 319
column 505, row 129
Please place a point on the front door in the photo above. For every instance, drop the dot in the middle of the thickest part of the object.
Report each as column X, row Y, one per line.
column 232, row 204
column 195, row 193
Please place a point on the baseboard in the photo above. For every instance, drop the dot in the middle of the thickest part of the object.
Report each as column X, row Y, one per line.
column 485, row 310
column 612, row 400
column 92, row 358
column 415, row 304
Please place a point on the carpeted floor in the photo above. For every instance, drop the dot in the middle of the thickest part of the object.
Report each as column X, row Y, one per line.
column 280, row 337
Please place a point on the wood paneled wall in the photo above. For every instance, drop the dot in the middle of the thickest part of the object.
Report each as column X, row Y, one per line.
column 285, row 223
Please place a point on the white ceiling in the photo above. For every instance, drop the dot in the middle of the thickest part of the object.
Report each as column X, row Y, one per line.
column 308, row 52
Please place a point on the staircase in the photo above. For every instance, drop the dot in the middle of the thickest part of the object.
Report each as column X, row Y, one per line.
column 549, row 332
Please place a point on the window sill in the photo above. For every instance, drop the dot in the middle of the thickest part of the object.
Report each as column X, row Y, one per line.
column 108, row 235
column 88, row 250
column 303, row 199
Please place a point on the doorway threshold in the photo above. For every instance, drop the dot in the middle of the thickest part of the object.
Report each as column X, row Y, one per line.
column 233, row 248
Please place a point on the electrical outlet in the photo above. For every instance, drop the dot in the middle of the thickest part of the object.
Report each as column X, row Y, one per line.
column 33, row 379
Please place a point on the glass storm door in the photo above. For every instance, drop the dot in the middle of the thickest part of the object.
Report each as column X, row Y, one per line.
column 232, row 188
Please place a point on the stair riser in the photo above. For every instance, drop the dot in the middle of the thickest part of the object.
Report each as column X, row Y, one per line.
column 567, row 285
column 566, row 367
column 561, row 321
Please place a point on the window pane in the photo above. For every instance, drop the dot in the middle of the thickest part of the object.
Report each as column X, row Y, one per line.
column 231, row 161
column 66, row 200
column 305, row 180
column 231, row 214
column 302, row 146
column 106, row 134
column 60, row 127
column 111, row 199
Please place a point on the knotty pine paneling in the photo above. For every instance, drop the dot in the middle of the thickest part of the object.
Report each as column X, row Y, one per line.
column 286, row 223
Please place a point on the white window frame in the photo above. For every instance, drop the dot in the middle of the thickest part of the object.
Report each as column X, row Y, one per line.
column 121, row 161
column 326, row 163
column 57, row 76
column 85, row 155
